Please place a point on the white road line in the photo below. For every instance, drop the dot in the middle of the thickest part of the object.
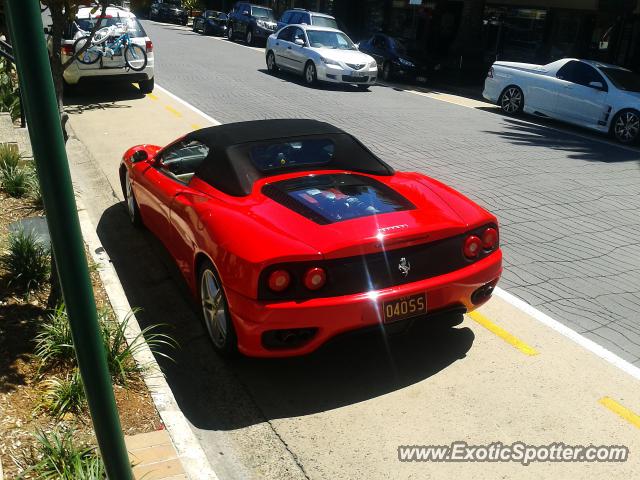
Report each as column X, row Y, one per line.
column 565, row 331
column 189, row 106
column 543, row 318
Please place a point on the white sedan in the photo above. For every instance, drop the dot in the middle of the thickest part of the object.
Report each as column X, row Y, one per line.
column 320, row 54
column 587, row 93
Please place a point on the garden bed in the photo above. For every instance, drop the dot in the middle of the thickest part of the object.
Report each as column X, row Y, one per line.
column 23, row 380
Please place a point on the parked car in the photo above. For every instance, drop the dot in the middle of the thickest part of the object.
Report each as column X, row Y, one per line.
column 250, row 22
column 290, row 232
column 108, row 68
column 591, row 94
column 320, row 54
column 302, row 16
column 211, row 23
column 396, row 60
column 168, row 11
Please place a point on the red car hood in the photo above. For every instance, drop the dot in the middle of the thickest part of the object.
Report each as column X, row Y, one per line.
column 433, row 218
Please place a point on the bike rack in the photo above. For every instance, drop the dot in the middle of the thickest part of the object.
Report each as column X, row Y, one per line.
column 6, row 51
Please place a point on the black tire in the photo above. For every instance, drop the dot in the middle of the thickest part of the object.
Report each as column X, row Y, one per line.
column 184, row 22
column 130, row 200
column 625, row 127
column 511, row 100
column 249, row 38
column 386, row 71
column 146, row 86
column 230, row 33
column 363, row 87
column 135, row 57
column 89, row 57
column 193, row 27
column 310, row 74
column 214, row 311
column 271, row 63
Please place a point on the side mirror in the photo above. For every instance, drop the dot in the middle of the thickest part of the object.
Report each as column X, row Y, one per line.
column 246, row 12
column 596, row 85
column 139, row 156
column 299, row 41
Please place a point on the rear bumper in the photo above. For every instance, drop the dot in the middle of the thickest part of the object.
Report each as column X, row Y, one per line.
column 74, row 74
column 492, row 90
column 336, row 315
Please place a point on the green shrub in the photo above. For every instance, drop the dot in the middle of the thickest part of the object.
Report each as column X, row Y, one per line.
column 9, row 156
column 54, row 343
column 9, row 93
column 64, row 396
column 60, row 458
column 15, row 181
column 120, row 354
column 27, row 261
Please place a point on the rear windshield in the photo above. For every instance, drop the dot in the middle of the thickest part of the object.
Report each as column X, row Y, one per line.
column 134, row 29
column 336, row 197
column 292, row 154
column 324, row 21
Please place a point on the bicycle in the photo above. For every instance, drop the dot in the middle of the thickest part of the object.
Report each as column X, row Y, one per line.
column 135, row 57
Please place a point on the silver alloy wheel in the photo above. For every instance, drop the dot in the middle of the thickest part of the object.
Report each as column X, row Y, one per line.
column 511, row 100
column 627, row 127
column 215, row 317
column 271, row 62
column 310, row 73
column 131, row 201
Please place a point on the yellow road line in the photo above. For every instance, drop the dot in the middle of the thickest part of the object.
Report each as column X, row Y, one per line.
column 503, row 334
column 152, row 96
column 195, row 126
column 173, row 111
column 622, row 412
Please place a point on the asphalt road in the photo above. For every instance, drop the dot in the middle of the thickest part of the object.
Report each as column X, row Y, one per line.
column 568, row 201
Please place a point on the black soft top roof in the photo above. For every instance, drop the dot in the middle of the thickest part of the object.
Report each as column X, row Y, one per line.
column 228, row 166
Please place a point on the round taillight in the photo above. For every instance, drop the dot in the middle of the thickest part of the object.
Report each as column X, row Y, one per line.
column 315, row 278
column 279, row 280
column 472, row 246
column 490, row 238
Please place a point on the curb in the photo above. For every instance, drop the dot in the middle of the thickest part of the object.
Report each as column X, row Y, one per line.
column 191, row 454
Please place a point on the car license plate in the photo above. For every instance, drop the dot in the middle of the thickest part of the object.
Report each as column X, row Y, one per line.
column 405, row 307
column 422, row 79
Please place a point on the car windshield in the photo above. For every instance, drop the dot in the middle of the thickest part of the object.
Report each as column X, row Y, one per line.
column 134, row 29
column 286, row 155
column 327, row 39
column 261, row 12
column 211, row 14
column 623, row 79
column 324, row 21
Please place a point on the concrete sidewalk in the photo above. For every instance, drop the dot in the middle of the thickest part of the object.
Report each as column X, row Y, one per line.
column 154, row 457
column 503, row 376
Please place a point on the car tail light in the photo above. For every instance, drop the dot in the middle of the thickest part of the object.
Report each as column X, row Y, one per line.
column 315, row 278
column 149, row 46
column 472, row 246
column 490, row 238
column 279, row 280
column 67, row 50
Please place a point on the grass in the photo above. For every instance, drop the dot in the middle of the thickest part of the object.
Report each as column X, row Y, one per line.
column 9, row 156
column 15, row 179
column 64, row 396
column 120, row 354
column 27, row 261
column 54, row 344
column 60, row 458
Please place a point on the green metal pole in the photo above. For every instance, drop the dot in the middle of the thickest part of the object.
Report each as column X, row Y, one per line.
column 49, row 152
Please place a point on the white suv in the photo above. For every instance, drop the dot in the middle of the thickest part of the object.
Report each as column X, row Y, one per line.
column 107, row 68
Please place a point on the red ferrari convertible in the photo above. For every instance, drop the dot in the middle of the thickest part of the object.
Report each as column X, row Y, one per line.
column 290, row 232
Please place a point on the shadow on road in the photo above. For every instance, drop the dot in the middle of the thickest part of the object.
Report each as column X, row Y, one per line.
column 214, row 394
column 100, row 96
column 577, row 145
column 328, row 87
